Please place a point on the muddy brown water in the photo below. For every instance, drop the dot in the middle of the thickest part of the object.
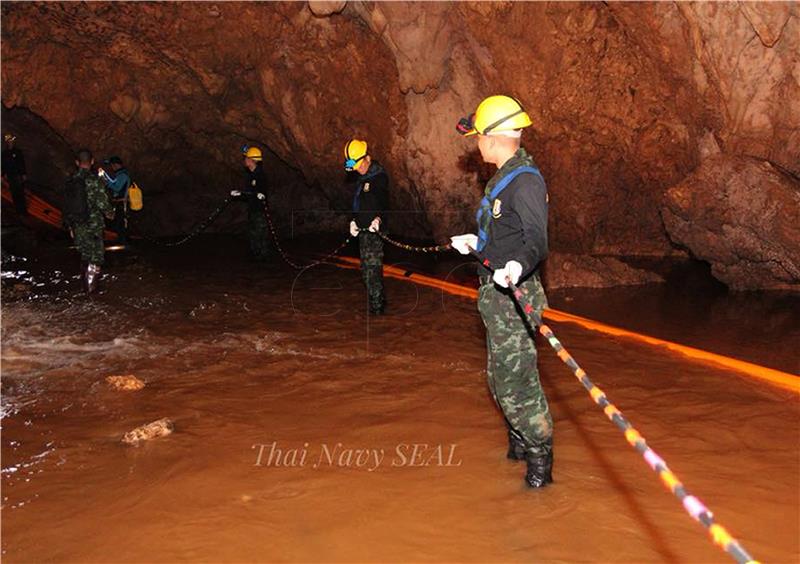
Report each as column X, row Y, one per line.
column 307, row 431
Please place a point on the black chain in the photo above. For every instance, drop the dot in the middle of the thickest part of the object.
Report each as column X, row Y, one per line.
column 412, row 248
column 285, row 256
column 202, row 226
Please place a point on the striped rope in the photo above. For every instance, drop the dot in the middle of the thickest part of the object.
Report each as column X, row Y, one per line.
column 693, row 506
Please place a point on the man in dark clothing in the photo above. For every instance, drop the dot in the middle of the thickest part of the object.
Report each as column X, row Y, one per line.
column 369, row 203
column 255, row 194
column 118, row 182
column 512, row 235
column 14, row 173
column 87, row 228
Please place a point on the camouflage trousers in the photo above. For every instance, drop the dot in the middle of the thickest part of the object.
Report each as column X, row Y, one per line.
column 511, row 365
column 258, row 234
column 371, row 247
column 89, row 242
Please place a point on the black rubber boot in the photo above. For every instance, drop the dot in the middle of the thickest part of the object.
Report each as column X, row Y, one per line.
column 516, row 446
column 540, row 465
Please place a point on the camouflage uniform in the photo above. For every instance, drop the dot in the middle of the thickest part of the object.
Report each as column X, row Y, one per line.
column 370, row 246
column 514, row 224
column 257, row 231
column 371, row 199
column 257, row 226
column 89, row 233
column 511, row 364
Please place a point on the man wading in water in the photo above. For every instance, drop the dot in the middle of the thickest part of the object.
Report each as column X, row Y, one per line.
column 512, row 235
column 369, row 203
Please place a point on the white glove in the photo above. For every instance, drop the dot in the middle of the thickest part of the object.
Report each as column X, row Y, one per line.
column 235, row 193
column 261, row 196
column 101, row 173
column 512, row 270
column 375, row 225
column 353, row 228
column 463, row 243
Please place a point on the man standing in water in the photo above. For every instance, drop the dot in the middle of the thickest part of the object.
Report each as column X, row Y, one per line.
column 85, row 204
column 512, row 235
column 369, row 203
column 118, row 183
column 14, row 173
column 255, row 194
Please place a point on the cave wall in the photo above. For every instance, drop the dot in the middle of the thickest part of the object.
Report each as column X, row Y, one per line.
column 177, row 88
column 627, row 99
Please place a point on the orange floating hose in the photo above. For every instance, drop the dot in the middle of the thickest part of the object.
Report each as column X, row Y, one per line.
column 777, row 378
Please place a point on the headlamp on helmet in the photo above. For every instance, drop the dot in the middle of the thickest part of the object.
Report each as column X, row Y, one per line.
column 354, row 152
column 495, row 115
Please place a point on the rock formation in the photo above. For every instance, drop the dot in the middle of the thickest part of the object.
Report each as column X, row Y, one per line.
column 627, row 99
column 153, row 430
column 127, row 383
column 582, row 271
column 742, row 215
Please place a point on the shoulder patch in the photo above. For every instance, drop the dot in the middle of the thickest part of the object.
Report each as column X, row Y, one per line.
column 496, row 208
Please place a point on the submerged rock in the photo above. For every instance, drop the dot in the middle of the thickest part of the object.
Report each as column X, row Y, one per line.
column 125, row 383
column 154, row 430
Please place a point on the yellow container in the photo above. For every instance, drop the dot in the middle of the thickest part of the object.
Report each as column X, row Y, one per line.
column 135, row 197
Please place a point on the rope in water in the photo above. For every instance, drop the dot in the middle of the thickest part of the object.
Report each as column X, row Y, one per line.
column 202, row 226
column 693, row 506
column 285, row 256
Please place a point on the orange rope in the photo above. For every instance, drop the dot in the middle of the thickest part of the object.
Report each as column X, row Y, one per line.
column 52, row 216
column 777, row 378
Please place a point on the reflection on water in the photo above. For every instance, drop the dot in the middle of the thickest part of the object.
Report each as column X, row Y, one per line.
column 243, row 357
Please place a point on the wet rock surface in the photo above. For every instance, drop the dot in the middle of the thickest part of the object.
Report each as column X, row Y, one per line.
column 742, row 215
column 154, row 430
column 127, row 383
column 626, row 99
column 581, row 271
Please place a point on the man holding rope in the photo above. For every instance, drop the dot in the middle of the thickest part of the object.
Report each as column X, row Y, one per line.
column 512, row 232
column 369, row 203
column 255, row 194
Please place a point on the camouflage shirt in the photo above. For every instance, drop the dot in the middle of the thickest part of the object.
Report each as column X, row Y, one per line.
column 96, row 197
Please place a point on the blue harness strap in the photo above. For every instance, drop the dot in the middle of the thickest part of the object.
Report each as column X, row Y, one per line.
column 486, row 202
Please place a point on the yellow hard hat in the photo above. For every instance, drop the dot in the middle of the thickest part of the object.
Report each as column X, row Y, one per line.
column 495, row 114
column 253, row 153
column 354, row 151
